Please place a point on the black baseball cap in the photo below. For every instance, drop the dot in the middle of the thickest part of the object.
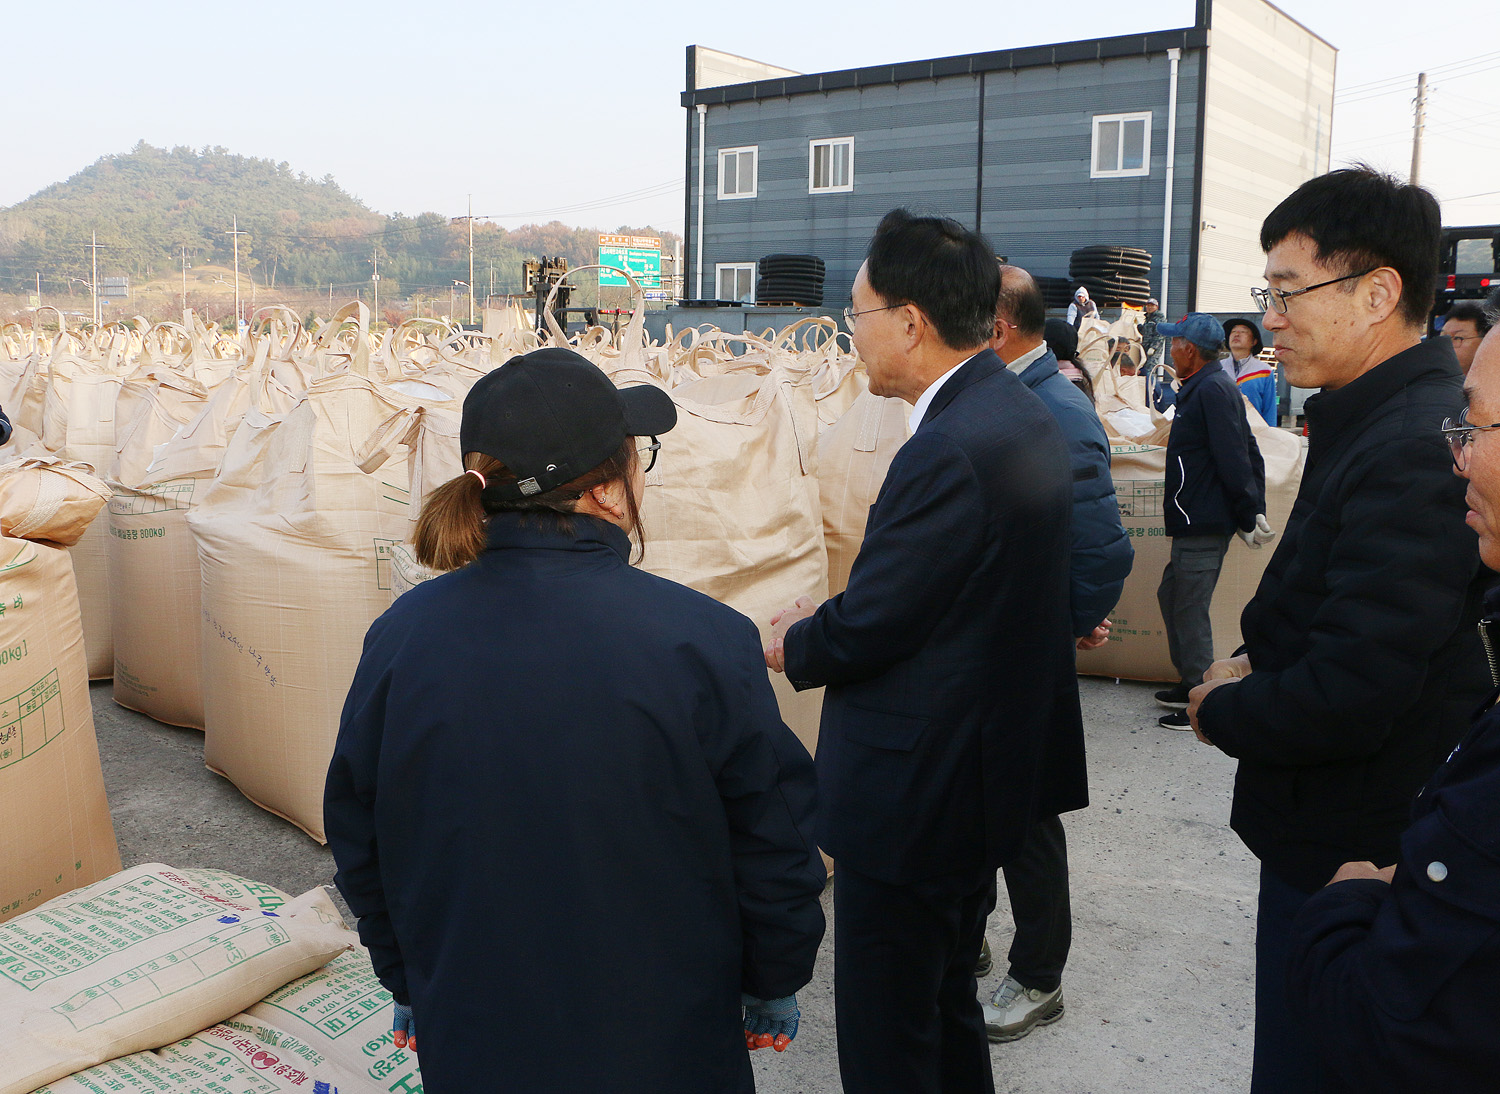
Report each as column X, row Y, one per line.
column 551, row 416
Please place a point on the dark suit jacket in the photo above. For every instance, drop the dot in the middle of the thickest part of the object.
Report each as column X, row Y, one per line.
column 951, row 717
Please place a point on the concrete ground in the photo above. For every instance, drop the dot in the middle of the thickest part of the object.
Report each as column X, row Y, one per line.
column 1158, row 987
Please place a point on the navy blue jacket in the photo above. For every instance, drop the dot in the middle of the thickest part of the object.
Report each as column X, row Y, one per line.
column 571, row 822
column 1361, row 632
column 1399, row 982
column 1102, row 554
column 1216, row 479
column 951, row 716
column 5, row 429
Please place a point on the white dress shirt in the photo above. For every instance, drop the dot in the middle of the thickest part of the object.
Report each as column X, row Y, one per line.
column 919, row 411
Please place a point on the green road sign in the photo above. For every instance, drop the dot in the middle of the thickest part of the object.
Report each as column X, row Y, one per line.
column 641, row 255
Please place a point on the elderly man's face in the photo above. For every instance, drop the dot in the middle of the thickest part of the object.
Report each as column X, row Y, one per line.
column 1241, row 341
column 1483, row 452
column 1320, row 333
column 1465, row 338
column 877, row 336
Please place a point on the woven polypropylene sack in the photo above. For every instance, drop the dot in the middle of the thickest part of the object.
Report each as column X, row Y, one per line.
column 854, row 455
column 53, row 811
column 294, row 542
column 1137, row 647
column 142, row 959
column 731, row 507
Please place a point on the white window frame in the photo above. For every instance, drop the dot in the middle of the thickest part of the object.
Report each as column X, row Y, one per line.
column 1123, row 172
column 721, row 268
column 754, row 151
column 812, row 157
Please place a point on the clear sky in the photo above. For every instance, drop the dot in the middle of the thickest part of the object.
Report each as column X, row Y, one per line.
column 571, row 111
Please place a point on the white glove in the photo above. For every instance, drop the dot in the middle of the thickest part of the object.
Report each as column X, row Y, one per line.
column 1260, row 534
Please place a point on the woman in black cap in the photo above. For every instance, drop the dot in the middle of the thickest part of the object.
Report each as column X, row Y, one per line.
column 563, row 804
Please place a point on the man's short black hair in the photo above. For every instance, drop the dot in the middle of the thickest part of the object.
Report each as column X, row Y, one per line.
column 943, row 268
column 1021, row 302
column 1359, row 218
column 1475, row 311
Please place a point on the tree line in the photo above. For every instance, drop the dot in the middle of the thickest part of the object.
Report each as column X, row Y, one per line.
column 154, row 208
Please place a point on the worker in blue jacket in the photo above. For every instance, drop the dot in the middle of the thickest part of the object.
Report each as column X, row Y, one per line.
column 562, row 802
column 1099, row 562
column 1255, row 377
column 1394, row 967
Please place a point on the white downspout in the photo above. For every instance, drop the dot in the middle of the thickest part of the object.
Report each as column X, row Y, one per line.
column 698, row 241
column 1173, row 55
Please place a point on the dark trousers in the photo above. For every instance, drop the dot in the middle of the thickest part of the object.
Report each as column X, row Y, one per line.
column 1285, row 1059
column 908, row 1014
column 1037, row 881
column 1185, row 593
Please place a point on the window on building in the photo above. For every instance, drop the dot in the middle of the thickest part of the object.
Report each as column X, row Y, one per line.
column 1122, row 145
column 735, row 281
column 830, row 166
column 737, row 172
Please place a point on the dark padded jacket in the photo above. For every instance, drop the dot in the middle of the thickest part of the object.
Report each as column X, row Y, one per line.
column 1398, row 982
column 1102, row 554
column 571, row 822
column 1361, row 634
column 5, row 429
column 1216, row 479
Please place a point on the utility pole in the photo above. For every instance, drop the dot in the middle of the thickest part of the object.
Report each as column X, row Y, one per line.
column 471, row 260
column 375, row 277
column 94, row 287
column 1417, row 128
column 236, row 233
column 38, row 293
column 184, row 280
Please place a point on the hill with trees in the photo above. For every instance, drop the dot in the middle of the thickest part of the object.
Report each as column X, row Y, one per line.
column 155, row 208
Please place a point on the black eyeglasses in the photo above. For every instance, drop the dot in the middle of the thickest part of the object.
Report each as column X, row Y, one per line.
column 850, row 315
column 1266, row 299
column 646, row 453
column 1460, row 434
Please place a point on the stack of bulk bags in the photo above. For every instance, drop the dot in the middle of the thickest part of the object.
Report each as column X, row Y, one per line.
column 854, row 455
column 141, row 959
column 152, row 560
column 23, row 383
column 294, row 540
column 731, row 507
column 78, row 424
column 53, row 813
column 158, row 640
column 1137, row 647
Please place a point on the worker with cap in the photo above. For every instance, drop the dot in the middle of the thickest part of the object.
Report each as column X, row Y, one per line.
column 1252, row 374
column 562, row 803
column 1215, row 487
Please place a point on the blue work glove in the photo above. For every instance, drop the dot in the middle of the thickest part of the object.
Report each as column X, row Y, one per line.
column 770, row 1023
column 404, row 1025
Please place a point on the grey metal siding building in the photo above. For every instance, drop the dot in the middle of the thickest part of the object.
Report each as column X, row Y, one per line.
column 1044, row 149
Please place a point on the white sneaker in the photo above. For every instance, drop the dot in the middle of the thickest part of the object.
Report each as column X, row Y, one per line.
column 1013, row 1010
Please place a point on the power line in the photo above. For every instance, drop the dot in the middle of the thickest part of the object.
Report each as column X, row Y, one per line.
column 1407, row 77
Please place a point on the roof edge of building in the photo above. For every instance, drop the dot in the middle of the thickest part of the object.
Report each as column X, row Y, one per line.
column 1000, row 60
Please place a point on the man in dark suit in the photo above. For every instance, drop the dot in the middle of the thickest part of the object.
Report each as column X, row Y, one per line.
column 947, row 660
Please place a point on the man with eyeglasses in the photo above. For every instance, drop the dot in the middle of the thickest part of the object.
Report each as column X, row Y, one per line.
column 1394, row 969
column 950, row 721
column 1465, row 325
column 1360, row 659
